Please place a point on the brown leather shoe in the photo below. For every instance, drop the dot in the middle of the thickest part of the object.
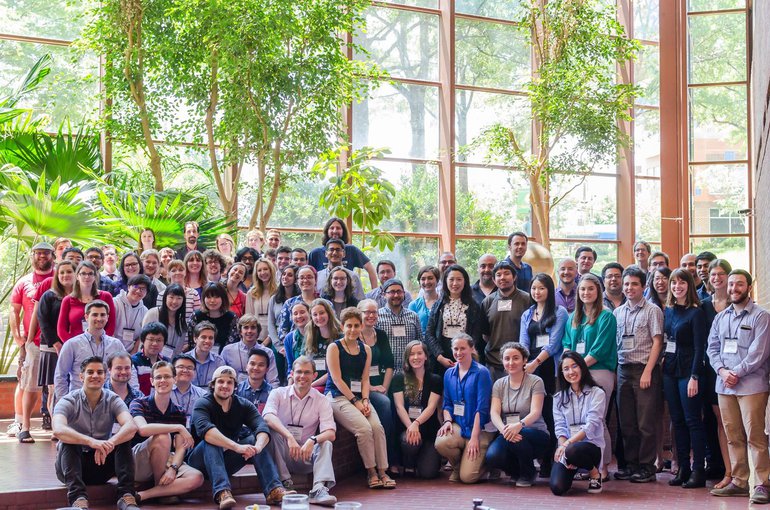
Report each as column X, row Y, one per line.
column 225, row 499
column 276, row 495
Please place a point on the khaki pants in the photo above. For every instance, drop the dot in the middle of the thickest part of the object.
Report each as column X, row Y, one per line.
column 452, row 446
column 370, row 436
column 743, row 417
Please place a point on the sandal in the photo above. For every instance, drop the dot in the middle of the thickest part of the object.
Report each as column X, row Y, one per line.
column 387, row 482
column 25, row 437
column 374, row 481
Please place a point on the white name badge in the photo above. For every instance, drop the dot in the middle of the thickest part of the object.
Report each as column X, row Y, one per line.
column 355, row 386
column 399, row 330
column 115, row 428
column 504, row 306
column 374, row 371
column 459, row 410
column 627, row 342
column 731, row 346
column 320, row 364
column 128, row 336
column 542, row 341
column 167, row 352
column 671, row 347
column 453, row 331
column 580, row 348
column 188, row 422
column 512, row 419
column 295, row 431
column 143, row 370
column 414, row 412
column 574, row 429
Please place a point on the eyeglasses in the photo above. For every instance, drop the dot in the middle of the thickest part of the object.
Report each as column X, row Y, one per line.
column 163, row 377
column 247, row 259
column 131, row 264
column 184, row 368
column 394, row 292
column 370, row 312
column 613, row 277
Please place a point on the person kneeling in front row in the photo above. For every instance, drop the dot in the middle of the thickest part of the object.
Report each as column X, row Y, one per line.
column 88, row 451
column 217, row 420
column 294, row 414
column 578, row 415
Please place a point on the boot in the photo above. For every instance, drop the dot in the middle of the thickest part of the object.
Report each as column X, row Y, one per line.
column 697, row 479
column 681, row 477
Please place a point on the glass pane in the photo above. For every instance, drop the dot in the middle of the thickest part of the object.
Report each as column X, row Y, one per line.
column 491, row 55
column 647, row 75
column 431, row 4
column 569, row 147
column 647, row 142
column 717, row 48
column 382, row 120
column 296, row 205
column 70, row 90
column 605, row 253
column 469, row 250
column 501, row 9
column 714, row 5
column 647, row 20
column 718, row 192
column 415, row 207
column 405, row 43
column 57, row 19
column 733, row 249
column 301, row 240
column 648, row 209
column 409, row 255
column 475, row 111
column 588, row 210
column 479, row 193
column 718, row 123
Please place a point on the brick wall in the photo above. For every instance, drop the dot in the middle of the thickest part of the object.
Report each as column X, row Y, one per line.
column 7, row 387
column 760, row 92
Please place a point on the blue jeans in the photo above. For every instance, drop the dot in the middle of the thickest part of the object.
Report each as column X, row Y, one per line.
column 382, row 404
column 218, row 464
column 516, row 458
column 686, row 417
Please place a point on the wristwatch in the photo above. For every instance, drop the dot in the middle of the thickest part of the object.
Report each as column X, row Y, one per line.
column 314, row 439
column 174, row 467
column 354, row 400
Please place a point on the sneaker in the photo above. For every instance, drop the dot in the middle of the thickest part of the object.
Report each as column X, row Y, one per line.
column 226, row 500
column 760, row 496
column 276, row 495
column 127, row 502
column 643, row 476
column 81, row 502
column 525, row 481
column 288, row 483
column 47, row 425
column 493, row 475
column 321, row 496
column 731, row 490
column 13, row 429
column 623, row 474
column 455, row 476
column 594, row 485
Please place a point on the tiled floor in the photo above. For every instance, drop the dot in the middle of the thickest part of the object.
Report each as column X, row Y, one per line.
column 31, row 467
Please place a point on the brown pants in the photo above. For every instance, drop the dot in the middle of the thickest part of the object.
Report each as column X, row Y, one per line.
column 452, row 446
column 743, row 417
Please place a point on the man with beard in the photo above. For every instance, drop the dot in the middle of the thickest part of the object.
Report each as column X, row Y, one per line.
column 191, row 236
column 22, row 310
column 566, row 291
column 738, row 349
column 96, row 257
column 386, row 270
column 119, row 372
column 401, row 324
column 517, row 248
column 485, row 285
column 612, row 276
column 503, row 309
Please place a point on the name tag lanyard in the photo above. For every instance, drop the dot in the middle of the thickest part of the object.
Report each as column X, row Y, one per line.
column 517, row 395
column 126, row 308
column 91, row 345
column 741, row 318
column 460, row 386
column 580, row 400
column 186, row 405
column 633, row 324
column 297, row 421
column 732, row 339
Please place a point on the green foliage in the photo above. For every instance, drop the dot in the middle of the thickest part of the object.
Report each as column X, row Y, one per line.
column 27, row 84
column 359, row 190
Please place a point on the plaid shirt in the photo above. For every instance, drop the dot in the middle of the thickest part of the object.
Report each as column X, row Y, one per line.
column 643, row 321
column 411, row 322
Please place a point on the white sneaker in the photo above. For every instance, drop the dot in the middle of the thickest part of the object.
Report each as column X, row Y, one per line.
column 321, row 496
column 13, row 429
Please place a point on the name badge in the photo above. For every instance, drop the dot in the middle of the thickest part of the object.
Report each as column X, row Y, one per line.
column 143, row 370
column 627, row 342
column 355, row 386
column 453, row 331
column 128, row 336
column 580, row 348
column 671, row 347
column 574, row 429
column 512, row 419
column 414, row 412
column 188, row 422
column 320, row 364
column 167, row 352
column 84, row 325
column 115, row 428
column 542, row 341
column 504, row 306
column 374, row 371
column 399, row 330
column 296, row 432
column 731, row 346
column 459, row 409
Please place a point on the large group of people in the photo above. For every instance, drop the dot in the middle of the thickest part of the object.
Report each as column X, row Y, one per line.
column 172, row 367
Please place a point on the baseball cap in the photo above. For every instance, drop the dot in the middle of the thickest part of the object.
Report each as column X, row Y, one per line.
column 226, row 371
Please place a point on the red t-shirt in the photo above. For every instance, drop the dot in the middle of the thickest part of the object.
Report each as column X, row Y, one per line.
column 72, row 315
column 24, row 293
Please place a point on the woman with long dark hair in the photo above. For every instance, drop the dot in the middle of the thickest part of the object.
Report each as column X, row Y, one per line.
column 657, row 286
column 335, row 228
column 286, row 290
column 171, row 313
column 130, row 265
column 578, row 411
column 456, row 312
column 339, row 290
column 195, row 276
column 306, row 278
column 235, row 295
column 73, row 307
column 249, row 256
column 215, row 308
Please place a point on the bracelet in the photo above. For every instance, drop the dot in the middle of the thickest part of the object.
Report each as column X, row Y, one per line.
column 538, row 361
column 446, row 421
column 174, row 467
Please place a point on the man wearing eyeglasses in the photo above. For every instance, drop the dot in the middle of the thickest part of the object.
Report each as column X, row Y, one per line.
column 401, row 324
column 185, row 393
column 160, row 457
column 386, row 270
column 335, row 254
